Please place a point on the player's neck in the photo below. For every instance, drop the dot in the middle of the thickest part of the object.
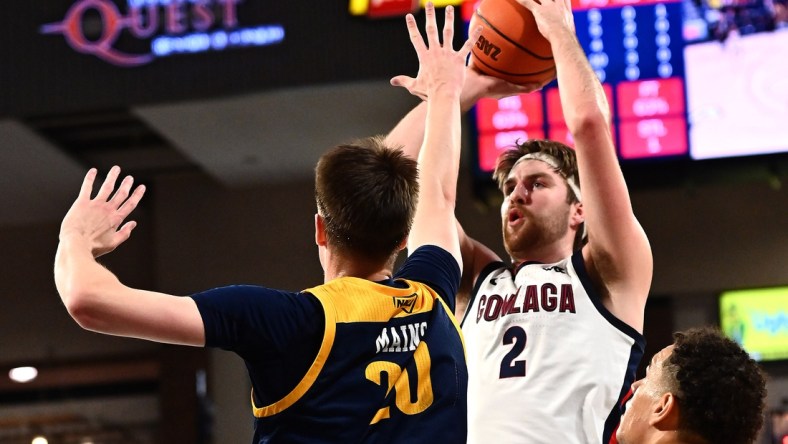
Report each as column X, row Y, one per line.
column 338, row 266
column 674, row 437
column 546, row 254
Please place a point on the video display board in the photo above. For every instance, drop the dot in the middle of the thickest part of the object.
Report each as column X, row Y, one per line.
column 686, row 80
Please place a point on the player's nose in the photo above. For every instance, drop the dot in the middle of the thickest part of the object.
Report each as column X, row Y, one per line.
column 519, row 194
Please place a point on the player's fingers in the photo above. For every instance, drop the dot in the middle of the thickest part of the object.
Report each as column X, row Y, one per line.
column 568, row 5
column 410, row 84
column 473, row 37
column 530, row 87
column 529, row 4
column 131, row 203
column 109, row 184
column 415, row 35
column 123, row 190
column 87, row 184
column 403, row 81
column 124, row 233
column 431, row 26
column 448, row 26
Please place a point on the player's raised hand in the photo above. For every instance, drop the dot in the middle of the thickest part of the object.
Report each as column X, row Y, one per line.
column 551, row 16
column 441, row 68
column 100, row 220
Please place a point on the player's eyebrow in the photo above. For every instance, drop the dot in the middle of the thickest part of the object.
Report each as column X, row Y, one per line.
column 531, row 176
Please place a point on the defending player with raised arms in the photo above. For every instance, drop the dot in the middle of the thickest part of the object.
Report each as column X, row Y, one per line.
column 371, row 355
column 554, row 336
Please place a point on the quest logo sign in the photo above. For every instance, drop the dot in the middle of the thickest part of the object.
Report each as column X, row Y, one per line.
column 157, row 28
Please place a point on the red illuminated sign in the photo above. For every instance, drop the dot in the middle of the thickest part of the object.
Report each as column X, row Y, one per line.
column 398, row 8
column 555, row 114
column 391, row 8
column 505, row 122
column 520, row 111
column 468, row 8
column 653, row 137
column 650, row 98
column 560, row 133
column 652, row 118
column 491, row 145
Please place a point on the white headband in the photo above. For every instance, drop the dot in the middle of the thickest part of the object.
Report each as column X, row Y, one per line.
column 553, row 162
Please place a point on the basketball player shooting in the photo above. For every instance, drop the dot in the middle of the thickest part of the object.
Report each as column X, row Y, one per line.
column 553, row 337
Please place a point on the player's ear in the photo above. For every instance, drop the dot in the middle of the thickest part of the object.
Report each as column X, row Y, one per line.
column 578, row 215
column 665, row 413
column 320, row 230
column 403, row 243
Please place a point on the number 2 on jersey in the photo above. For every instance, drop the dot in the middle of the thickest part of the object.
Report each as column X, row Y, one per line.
column 510, row 366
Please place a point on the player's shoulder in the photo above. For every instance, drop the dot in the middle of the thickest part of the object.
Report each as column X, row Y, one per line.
column 495, row 271
column 429, row 261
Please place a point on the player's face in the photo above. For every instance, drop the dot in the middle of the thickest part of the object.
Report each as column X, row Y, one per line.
column 647, row 393
column 534, row 212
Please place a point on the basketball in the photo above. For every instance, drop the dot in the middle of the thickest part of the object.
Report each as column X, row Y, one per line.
column 511, row 47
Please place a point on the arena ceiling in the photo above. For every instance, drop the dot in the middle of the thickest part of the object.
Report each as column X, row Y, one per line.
column 240, row 141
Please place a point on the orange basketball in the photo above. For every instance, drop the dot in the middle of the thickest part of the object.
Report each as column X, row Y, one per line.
column 511, row 47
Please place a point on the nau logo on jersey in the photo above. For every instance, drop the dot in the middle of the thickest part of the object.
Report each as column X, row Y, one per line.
column 406, row 303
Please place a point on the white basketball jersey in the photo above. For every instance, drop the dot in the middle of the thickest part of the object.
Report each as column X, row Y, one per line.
column 547, row 362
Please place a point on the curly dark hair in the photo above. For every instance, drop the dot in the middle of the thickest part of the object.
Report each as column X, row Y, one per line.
column 720, row 389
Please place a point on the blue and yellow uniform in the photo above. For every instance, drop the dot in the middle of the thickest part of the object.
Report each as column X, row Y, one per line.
column 351, row 360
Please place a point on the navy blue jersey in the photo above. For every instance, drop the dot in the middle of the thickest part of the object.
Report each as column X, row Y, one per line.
column 351, row 360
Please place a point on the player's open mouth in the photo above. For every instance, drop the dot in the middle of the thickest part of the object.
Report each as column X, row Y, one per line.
column 514, row 216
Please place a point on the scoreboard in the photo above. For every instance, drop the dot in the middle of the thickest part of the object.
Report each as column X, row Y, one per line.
column 677, row 91
column 636, row 50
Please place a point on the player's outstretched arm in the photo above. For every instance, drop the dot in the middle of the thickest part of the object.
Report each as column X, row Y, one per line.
column 618, row 252
column 439, row 82
column 408, row 134
column 93, row 295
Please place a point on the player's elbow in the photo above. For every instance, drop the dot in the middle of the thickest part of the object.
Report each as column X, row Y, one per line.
column 589, row 117
column 589, row 125
column 82, row 305
column 449, row 198
column 438, row 194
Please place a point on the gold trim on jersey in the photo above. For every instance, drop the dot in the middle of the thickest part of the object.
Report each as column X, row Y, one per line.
column 359, row 300
column 456, row 324
column 311, row 374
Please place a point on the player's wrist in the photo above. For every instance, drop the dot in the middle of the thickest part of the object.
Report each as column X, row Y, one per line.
column 74, row 239
column 473, row 90
column 445, row 91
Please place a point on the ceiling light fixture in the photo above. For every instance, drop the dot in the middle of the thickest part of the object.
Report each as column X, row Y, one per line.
column 23, row 374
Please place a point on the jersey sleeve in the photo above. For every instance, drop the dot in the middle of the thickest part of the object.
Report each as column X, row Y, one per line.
column 246, row 318
column 435, row 267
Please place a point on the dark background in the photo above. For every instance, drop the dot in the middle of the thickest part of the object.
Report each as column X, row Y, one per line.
column 226, row 143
